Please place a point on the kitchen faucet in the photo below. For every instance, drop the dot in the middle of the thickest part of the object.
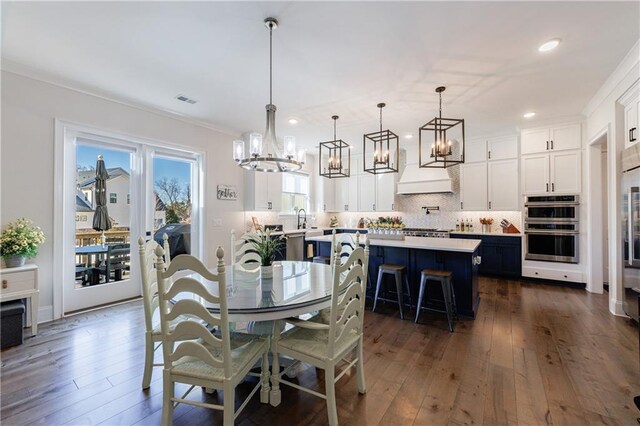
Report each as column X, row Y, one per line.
column 304, row 223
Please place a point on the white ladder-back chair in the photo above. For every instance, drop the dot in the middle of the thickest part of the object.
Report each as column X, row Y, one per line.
column 348, row 243
column 325, row 345
column 152, row 334
column 204, row 360
column 243, row 253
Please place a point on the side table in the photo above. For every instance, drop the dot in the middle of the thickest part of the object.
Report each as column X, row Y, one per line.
column 22, row 283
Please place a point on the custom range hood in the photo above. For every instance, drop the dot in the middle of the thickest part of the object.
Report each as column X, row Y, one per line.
column 420, row 180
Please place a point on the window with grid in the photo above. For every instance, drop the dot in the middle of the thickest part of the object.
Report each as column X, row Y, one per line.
column 295, row 192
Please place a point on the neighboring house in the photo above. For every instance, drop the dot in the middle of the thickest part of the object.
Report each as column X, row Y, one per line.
column 84, row 211
column 118, row 199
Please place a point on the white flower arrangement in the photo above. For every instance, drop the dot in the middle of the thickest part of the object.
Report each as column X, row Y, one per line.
column 21, row 238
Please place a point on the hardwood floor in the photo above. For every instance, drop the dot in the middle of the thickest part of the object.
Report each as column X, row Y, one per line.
column 534, row 355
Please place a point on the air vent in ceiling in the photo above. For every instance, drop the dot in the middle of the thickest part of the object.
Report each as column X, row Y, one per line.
column 186, row 99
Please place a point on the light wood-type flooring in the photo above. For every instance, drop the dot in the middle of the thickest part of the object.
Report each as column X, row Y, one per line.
column 536, row 354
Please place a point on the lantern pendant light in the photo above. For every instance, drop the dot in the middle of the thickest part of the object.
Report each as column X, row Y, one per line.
column 447, row 140
column 332, row 156
column 382, row 155
column 264, row 153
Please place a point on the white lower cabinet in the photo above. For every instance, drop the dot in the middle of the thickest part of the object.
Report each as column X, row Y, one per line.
column 550, row 173
column 503, row 185
column 473, row 186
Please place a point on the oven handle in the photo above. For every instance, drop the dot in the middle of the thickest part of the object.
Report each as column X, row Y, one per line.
column 540, row 221
column 550, row 232
column 549, row 204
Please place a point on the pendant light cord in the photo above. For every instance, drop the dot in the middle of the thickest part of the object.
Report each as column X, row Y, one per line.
column 380, row 119
column 335, row 120
column 440, row 94
column 270, row 63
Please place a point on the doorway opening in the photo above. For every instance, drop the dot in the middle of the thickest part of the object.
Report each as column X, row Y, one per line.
column 598, row 232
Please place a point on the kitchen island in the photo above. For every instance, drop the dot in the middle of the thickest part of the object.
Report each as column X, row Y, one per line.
column 417, row 253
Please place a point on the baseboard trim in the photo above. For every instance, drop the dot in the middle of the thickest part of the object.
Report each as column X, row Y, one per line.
column 570, row 284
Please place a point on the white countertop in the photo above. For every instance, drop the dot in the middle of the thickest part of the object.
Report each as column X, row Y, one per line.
column 490, row 234
column 420, row 243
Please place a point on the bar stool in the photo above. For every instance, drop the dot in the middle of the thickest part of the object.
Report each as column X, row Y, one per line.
column 397, row 271
column 444, row 277
column 322, row 259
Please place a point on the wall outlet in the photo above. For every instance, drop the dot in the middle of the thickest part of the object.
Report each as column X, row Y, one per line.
column 216, row 223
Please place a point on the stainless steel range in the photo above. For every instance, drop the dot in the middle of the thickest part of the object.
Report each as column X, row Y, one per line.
column 426, row 232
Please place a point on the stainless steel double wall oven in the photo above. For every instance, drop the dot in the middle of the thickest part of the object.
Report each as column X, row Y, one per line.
column 552, row 228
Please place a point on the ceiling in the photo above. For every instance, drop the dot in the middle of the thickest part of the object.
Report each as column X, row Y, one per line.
column 330, row 58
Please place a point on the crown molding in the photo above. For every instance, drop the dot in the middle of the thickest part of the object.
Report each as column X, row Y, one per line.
column 22, row 70
column 631, row 60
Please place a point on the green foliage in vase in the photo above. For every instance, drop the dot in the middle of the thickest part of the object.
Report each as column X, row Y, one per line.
column 21, row 238
column 267, row 246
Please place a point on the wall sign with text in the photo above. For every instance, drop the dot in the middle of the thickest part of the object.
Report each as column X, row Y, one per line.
column 227, row 192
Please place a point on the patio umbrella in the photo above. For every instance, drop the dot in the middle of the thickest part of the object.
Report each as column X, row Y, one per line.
column 101, row 221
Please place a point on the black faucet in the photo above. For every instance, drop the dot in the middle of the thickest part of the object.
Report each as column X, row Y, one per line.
column 304, row 223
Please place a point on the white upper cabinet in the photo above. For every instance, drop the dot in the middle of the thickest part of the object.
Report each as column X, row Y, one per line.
column 473, row 186
column 631, row 120
column 475, row 150
column 502, row 148
column 503, row 184
column 559, row 172
column 557, row 138
column 367, row 192
column 263, row 192
column 535, row 174
column 565, row 172
column 385, row 192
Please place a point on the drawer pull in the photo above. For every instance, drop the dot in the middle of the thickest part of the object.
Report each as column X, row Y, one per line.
column 5, row 284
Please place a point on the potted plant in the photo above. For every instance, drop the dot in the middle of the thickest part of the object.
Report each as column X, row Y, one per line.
column 267, row 246
column 18, row 241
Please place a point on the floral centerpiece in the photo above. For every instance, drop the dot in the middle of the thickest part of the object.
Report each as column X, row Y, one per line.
column 19, row 240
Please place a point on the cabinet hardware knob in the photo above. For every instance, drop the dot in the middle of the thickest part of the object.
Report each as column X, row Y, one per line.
column 5, row 284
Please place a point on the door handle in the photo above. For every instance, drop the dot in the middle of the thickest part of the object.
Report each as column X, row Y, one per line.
column 547, row 145
column 346, row 207
column 547, row 187
column 393, row 206
column 5, row 284
column 632, row 134
column 489, row 155
column 553, row 187
column 324, row 207
column 489, row 205
column 551, row 144
column 269, row 205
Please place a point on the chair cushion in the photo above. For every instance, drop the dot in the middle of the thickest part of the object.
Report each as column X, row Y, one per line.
column 240, row 358
column 313, row 343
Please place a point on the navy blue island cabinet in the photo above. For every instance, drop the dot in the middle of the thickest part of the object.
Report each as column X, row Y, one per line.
column 417, row 253
column 501, row 254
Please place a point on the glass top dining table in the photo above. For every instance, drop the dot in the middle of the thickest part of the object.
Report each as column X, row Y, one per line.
column 295, row 288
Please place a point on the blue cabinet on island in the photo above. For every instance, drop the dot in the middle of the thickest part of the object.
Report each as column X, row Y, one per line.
column 501, row 253
column 417, row 253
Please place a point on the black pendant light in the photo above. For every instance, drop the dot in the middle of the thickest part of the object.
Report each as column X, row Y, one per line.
column 444, row 139
column 382, row 155
column 332, row 156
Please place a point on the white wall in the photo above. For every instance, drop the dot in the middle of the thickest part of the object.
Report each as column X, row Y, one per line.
column 29, row 108
column 604, row 112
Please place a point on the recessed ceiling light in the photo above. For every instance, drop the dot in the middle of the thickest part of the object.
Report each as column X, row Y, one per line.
column 293, row 121
column 408, row 136
column 529, row 114
column 549, row 45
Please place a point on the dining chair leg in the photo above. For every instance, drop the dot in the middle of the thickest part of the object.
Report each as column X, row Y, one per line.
column 397, row 278
column 229, row 404
column 167, row 398
column 264, row 391
column 330, row 392
column 378, row 285
column 423, row 284
column 148, row 360
column 362, row 386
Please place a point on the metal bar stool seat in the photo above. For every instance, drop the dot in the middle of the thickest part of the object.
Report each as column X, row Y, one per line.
column 322, row 259
column 397, row 271
column 444, row 278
